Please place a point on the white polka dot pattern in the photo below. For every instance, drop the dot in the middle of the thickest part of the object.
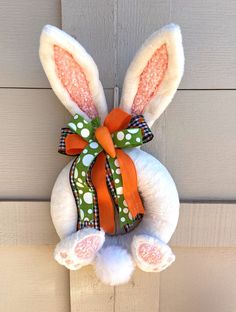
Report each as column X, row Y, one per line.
column 130, row 137
column 83, row 128
column 123, row 207
column 86, row 193
column 127, row 137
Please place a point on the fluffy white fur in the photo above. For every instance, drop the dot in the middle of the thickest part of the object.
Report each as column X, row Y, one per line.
column 51, row 36
column 68, row 244
column 159, row 194
column 167, row 255
column 160, row 199
column 171, row 36
column 114, row 265
column 113, row 262
column 63, row 207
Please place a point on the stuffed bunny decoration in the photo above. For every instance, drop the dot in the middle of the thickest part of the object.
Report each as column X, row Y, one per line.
column 114, row 206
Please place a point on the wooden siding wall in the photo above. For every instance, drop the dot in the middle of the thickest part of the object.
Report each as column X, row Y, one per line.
column 195, row 140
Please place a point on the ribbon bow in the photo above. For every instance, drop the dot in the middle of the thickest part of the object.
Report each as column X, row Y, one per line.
column 96, row 145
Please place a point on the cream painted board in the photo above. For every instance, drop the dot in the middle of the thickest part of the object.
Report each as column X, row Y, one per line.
column 88, row 294
column 201, row 280
column 200, row 225
column 197, row 272
column 21, row 23
column 31, row 281
column 209, row 37
column 93, row 24
column 198, row 144
column 30, row 131
column 140, row 294
column 206, row 225
column 26, row 223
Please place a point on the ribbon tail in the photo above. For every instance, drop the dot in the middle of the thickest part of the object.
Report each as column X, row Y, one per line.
column 105, row 204
column 130, row 183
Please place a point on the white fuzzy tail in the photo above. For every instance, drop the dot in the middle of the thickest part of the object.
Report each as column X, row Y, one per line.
column 113, row 265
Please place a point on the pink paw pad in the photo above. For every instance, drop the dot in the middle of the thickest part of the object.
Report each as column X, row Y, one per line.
column 150, row 253
column 68, row 261
column 87, row 247
column 63, row 254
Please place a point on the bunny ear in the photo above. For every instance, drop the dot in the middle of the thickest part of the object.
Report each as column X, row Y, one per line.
column 154, row 75
column 72, row 73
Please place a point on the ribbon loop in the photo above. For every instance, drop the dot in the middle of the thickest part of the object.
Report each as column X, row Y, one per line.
column 74, row 144
column 117, row 120
column 82, row 127
column 128, row 138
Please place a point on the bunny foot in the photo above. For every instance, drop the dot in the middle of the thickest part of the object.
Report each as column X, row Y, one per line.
column 151, row 254
column 79, row 249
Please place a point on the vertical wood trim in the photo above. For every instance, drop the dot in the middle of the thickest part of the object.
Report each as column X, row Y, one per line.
column 140, row 294
column 88, row 294
column 93, row 24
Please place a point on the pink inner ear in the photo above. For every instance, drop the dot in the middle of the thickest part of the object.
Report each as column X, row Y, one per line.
column 74, row 80
column 150, row 79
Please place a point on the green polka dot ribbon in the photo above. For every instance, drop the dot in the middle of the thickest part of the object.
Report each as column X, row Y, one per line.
column 126, row 138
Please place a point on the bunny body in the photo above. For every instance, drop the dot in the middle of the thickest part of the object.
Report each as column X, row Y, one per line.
column 146, row 246
column 152, row 176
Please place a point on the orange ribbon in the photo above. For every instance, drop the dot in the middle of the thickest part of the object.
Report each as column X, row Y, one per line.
column 116, row 120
